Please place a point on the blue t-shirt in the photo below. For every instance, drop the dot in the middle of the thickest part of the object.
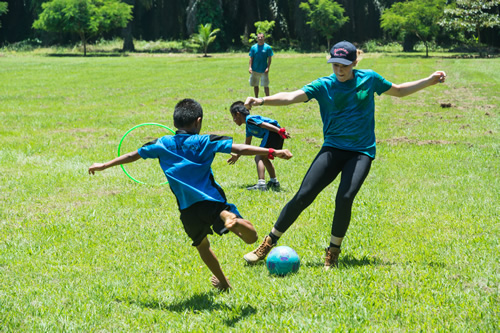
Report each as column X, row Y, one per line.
column 348, row 109
column 186, row 160
column 260, row 53
column 252, row 127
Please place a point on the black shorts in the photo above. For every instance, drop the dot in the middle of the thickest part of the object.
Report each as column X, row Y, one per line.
column 202, row 217
column 274, row 140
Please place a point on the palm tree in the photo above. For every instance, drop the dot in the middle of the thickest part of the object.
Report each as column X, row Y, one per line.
column 205, row 36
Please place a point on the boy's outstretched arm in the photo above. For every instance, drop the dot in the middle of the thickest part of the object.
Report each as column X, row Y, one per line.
column 281, row 131
column 235, row 157
column 242, row 149
column 408, row 88
column 124, row 159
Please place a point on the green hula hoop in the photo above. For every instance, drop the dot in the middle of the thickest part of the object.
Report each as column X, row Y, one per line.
column 123, row 137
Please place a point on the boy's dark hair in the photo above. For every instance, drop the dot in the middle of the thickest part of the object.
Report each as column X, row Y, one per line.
column 239, row 107
column 186, row 112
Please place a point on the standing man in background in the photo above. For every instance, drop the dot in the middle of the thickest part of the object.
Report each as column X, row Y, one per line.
column 260, row 61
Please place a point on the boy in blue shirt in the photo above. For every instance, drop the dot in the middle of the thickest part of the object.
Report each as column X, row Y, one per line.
column 272, row 136
column 186, row 160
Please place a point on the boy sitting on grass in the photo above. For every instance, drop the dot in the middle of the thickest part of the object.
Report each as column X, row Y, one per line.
column 272, row 136
column 186, row 160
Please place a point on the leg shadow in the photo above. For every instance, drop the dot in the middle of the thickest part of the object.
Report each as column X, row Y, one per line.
column 196, row 303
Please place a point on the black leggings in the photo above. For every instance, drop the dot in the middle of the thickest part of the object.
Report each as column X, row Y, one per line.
column 324, row 169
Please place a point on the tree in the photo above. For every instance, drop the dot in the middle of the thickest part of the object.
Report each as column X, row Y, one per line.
column 3, row 9
column 261, row 27
column 87, row 18
column 418, row 17
column 128, row 41
column 205, row 36
column 472, row 16
column 325, row 16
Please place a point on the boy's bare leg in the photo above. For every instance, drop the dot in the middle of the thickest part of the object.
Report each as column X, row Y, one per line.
column 209, row 258
column 269, row 167
column 256, row 91
column 266, row 91
column 241, row 227
column 261, row 167
column 216, row 283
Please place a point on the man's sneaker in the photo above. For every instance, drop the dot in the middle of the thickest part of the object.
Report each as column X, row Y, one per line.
column 260, row 187
column 275, row 186
column 332, row 257
column 261, row 252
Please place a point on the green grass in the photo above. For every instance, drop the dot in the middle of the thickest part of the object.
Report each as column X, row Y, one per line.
column 102, row 253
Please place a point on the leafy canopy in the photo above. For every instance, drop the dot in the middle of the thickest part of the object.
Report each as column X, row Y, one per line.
column 262, row 27
column 418, row 17
column 471, row 16
column 325, row 16
column 3, row 9
column 87, row 18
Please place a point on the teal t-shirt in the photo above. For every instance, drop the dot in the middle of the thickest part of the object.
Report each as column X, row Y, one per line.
column 260, row 53
column 348, row 109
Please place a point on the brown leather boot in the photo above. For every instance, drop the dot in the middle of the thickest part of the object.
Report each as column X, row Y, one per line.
column 261, row 252
column 332, row 257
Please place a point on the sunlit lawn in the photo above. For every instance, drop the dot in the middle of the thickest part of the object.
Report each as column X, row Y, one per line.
column 104, row 253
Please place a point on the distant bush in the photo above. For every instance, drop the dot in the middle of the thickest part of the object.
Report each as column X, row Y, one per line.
column 381, row 46
column 23, row 46
column 420, row 47
column 156, row 46
column 163, row 46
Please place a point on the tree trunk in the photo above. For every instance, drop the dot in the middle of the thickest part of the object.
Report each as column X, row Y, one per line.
column 128, row 41
column 409, row 42
column 84, row 42
column 191, row 21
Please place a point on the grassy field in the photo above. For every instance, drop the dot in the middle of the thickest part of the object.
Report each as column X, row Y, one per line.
column 103, row 253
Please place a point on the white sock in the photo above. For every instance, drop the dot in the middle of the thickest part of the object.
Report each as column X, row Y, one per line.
column 261, row 182
column 274, row 180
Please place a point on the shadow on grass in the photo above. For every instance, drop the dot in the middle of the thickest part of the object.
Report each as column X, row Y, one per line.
column 244, row 187
column 92, row 55
column 451, row 56
column 491, row 54
column 242, row 313
column 347, row 261
column 351, row 261
column 196, row 303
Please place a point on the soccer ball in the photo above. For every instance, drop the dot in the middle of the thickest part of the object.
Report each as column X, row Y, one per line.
column 282, row 260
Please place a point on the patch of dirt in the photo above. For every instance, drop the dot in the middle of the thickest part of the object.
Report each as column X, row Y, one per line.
column 435, row 142
column 313, row 141
column 75, row 130
column 404, row 139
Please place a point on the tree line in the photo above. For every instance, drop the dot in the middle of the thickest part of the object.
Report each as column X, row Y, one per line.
column 306, row 25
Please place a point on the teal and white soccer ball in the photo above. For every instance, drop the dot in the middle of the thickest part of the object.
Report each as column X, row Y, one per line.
column 282, row 260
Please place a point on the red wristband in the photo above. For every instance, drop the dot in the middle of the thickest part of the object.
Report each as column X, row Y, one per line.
column 270, row 155
column 282, row 133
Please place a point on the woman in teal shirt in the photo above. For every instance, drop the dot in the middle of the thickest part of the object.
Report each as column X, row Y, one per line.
column 347, row 107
